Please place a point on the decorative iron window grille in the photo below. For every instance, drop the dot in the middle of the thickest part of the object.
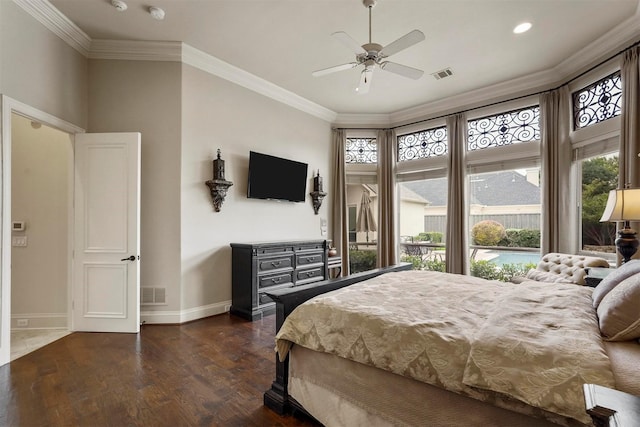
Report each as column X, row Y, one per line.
column 423, row 144
column 361, row 150
column 598, row 102
column 508, row 128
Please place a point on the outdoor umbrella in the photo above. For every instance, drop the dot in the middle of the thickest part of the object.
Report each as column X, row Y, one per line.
column 365, row 216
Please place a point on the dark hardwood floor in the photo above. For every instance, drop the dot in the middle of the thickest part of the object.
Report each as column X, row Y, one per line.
column 211, row 372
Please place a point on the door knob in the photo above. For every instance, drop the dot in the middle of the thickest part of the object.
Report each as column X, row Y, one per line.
column 131, row 258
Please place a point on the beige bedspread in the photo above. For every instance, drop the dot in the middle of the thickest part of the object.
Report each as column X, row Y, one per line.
column 537, row 343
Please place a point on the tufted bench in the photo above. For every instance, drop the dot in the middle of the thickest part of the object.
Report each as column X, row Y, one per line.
column 558, row 267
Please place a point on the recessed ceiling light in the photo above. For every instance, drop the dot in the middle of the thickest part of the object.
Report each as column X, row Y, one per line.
column 522, row 28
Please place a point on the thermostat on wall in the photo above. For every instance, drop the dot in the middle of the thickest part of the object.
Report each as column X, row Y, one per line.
column 17, row 226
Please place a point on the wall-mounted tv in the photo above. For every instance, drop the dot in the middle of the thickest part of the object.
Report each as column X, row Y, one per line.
column 272, row 177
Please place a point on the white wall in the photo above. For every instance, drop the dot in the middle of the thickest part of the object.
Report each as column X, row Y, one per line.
column 219, row 114
column 41, row 168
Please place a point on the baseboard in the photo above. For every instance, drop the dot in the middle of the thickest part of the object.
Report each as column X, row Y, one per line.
column 39, row 321
column 183, row 316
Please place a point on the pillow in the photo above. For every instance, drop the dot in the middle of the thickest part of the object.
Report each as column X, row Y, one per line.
column 619, row 311
column 626, row 270
column 545, row 276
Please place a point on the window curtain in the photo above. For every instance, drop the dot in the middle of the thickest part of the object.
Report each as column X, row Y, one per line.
column 630, row 132
column 555, row 110
column 387, row 240
column 339, row 231
column 457, row 207
column 630, row 123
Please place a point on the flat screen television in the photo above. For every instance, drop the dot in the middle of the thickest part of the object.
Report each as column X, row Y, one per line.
column 272, row 177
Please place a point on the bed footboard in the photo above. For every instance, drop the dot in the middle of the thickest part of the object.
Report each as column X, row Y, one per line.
column 277, row 397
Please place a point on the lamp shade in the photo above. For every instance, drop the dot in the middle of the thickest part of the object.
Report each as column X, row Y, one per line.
column 622, row 205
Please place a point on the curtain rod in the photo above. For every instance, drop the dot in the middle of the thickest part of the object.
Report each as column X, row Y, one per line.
column 506, row 100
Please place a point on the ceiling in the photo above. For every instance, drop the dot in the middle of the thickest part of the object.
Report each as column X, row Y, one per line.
column 283, row 41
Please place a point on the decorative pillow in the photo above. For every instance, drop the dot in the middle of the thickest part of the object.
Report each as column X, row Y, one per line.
column 545, row 276
column 619, row 311
column 625, row 271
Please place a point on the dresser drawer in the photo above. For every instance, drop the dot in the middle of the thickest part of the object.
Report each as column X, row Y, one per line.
column 309, row 275
column 303, row 260
column 270, row 264
column 275, row 279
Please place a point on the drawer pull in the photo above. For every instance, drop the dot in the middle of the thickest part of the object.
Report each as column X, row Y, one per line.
column 310, row 259
column 276, row 263
column 276, row 279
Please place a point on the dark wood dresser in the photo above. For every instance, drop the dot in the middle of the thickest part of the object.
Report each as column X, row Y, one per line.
column 258, row 267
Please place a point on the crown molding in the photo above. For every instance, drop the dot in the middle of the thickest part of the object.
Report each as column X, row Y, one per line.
column 616, row 39
column 45, row 13
column 610, row 43
column 212, row 65
column 348, row 120
column 133, row 50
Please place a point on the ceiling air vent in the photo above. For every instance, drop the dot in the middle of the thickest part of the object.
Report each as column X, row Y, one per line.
column 442, row 74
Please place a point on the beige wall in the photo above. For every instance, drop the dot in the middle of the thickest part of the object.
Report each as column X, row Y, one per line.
column 145, row 96
column 184, row 243
column 218, row 114
column 40, row 190
column 39, row 69
column 411, row 218
column 184, row 116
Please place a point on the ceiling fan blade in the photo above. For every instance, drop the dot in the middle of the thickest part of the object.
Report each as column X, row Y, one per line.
column 365, row 81
column 408, row 40
column 333, row 69
column 349, row 42
column 402, row 70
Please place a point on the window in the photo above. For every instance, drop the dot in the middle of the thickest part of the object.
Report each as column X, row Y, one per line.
column 361, row 167
column 423, row 144
column 361, row 150
column 362, row 200
column 597, row 102
column 599, row 175
column 595, row 140
column 504, row 129
column 423, row 217
column 504, row 222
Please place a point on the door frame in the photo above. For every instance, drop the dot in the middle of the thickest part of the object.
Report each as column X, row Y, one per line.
column 8, row 107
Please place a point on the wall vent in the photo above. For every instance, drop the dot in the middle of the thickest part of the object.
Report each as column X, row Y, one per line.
column 151, row 296
column 442, row 73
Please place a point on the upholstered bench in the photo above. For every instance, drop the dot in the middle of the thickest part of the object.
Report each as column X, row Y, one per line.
column 557, row 267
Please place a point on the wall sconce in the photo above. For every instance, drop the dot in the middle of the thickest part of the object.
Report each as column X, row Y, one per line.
column 218, row 185
column 317, row 194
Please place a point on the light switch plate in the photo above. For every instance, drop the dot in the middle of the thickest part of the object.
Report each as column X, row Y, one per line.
column 19, row 241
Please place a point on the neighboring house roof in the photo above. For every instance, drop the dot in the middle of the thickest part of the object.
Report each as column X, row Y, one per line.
column 487, row 189
column 406, row 194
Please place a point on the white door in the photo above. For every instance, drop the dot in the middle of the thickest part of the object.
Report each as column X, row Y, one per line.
column 106, row 273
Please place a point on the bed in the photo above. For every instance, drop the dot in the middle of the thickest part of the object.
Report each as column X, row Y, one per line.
column 402, row 347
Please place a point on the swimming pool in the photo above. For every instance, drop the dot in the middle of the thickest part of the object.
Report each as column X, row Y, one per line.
column 502, row 258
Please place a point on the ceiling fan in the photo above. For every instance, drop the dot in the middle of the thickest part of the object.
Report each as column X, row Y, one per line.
column 372, row 54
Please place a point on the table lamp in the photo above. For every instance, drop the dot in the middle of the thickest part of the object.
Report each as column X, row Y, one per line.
column 624, row 205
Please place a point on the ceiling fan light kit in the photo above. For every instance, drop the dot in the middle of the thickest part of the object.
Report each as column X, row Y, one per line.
column 373, row 54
